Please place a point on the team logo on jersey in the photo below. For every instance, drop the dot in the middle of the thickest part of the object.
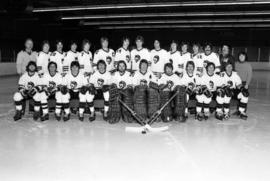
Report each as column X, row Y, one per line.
column 170, row 84
column 128, row 58
column 108, row 59
column 181, row 66
column 100, row 82
column 171, row 61
column 191, row 85
column 122, row 84
column 113, row 54
column 211, row 84
column 200, row 69
column 230, row 83
column 30, row 85
column 76, row 58
column 205, row 63
column 143, row 82
column 137, row 58
column 73, row 85
column 156, row 59
column 52, row 84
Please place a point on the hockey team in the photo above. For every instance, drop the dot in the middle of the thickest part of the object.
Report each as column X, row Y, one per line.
column 143, row 80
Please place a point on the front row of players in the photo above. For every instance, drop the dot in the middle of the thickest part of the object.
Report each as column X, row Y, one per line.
column 141, row 91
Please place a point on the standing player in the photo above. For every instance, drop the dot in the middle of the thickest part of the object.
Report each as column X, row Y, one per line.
column 123, row 53
column 28, row 88
column 105, row 54
column 74, row 87
column 210, row 56
column 71, row 55
column 175, row 58
column 43, row 58
column 99, row 83
column 159, row 57
column 139, row 53
column 51, row 83
column 58, row 56
column 197, row 58
column 208, row 84
column 185, row 55
column 85, row 59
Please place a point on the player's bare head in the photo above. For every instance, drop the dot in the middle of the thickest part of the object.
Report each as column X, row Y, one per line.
column 190, row 66
column 143, row 65
column 52, row 67
column 86, row 45
column 75, row 67
column 184, row 46
column 59, row 45
column 157, row 44
column 139, row 41
column 104, row 41
column 195, row 47
column 242, row 57
column 168, row 68
column 31, row 67
column 174, row 45
column 210, row 68
column 125, row 41
column 225, row 49
column 208, row 48
column 121, row 66
column 45, row 46
column 29, row 43
column 229, row 67
column 101, row 66
column 73, row 46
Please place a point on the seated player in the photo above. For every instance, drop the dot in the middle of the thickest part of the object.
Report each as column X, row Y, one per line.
column 99, row 81
column 51, row 83
column 73, row 87
column 159, row 57
column 123, row 81
column 189, row 80
column 208, row 84
column 167, row 85
column 231, row 81
column 28, row 88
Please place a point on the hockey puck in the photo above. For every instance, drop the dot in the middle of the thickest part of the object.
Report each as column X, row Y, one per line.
column 143, row 132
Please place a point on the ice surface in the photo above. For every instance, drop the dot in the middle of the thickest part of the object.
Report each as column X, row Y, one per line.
column 55, row 151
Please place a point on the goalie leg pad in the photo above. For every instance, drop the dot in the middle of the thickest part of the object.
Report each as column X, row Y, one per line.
column 127, row 98
column 180, row 102
column 153, row 101
column 167, row 112
column 114, row 106
column 140, row 101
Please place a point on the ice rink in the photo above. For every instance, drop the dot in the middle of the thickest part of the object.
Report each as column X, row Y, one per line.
column 233, row 150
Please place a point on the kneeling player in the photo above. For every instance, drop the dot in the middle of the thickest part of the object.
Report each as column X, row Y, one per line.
column 99, row 81
column 51, row 83
column 28, row 88
column 208, row 84
column 231, row 81
column 74, row 87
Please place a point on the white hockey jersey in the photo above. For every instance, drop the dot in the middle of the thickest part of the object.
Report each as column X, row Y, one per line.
column 170, row 80
column 107, row 56
column 177, row 61
column 58, row 58
column 86, row 61
column 70, row 57
column 189, row 78
column 232, row 80
column 158, row 59
column 74, row 82
column 122, row 80
column 123, row 54
column 212, row 57
column 185, row 57
column 28, row 82
column 143, row 79
column 98, row 79
column 51, row 81
column 138, row 55
column 43, row 61
column 198, row 62
column 211, row 81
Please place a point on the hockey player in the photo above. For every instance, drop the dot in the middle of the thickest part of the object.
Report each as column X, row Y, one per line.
column 99, row 82
column 197, row 58
column 123, row 53
column 74, row 87
column 28, row 88
column 51, row 83
column 231, row 81
column 175, row 58
column 184, row 55
column 71, row 55
column 58, row 56
column 105, row 54
column 85, row 59
column 43, row 58
column 210, row 56
column 208, row 84
column 139, row 53
column 159, row 57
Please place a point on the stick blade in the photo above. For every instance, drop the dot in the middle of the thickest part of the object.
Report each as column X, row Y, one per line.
column 159, row 129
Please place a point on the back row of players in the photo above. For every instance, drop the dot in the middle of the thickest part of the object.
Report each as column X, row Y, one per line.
column 72, row 74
